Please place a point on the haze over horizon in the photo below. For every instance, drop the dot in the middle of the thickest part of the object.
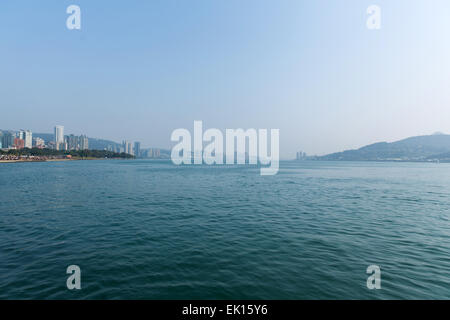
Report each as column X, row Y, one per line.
column 137, row 71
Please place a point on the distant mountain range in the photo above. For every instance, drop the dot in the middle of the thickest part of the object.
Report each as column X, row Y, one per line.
column 422, row 148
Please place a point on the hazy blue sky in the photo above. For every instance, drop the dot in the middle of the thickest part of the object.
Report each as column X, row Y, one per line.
column 137, row 70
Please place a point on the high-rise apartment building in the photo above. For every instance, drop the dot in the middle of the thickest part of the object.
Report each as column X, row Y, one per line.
column 301, row 155
column 137, row 149
column 7, row 140
column 77, row 142
column 84, row 142
column 27, row 137
column 153, row 153
column 72, row 142
column 127, row 147
column 59, row 138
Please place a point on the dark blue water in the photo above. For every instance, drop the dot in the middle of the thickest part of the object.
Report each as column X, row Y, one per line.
column 151, row 230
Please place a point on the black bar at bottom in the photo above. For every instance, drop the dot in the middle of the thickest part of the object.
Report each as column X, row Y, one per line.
column 218, row 309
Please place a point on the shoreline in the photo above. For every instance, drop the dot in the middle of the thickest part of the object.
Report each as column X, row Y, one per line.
column 56, row 160
column 48, row 160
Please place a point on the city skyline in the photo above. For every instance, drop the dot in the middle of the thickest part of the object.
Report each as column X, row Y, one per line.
column 15, row 139
column 20, row 139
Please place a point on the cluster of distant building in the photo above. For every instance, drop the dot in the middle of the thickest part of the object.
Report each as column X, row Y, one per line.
column 301, row 156
column 135, row 150
column 70, row 142
column 24, row 139
column 19, row 140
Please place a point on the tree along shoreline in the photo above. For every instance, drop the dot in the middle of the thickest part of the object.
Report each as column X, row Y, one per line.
column 36, row 154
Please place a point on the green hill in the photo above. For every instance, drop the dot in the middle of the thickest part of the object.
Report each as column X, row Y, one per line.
column 421, row 148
